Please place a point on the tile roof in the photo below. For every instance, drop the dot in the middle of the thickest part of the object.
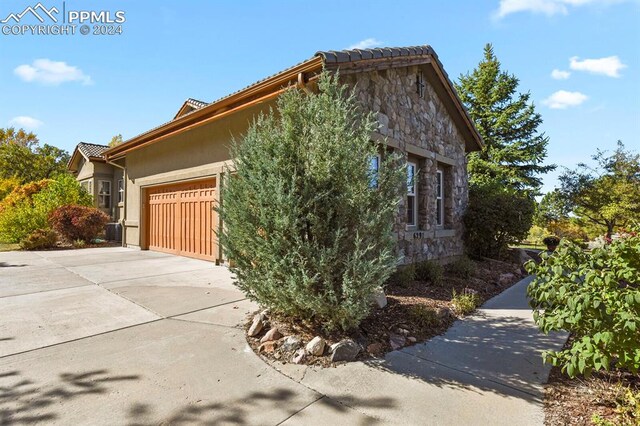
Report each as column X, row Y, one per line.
column 196, row 103
column 92, row 149
column 341, row 56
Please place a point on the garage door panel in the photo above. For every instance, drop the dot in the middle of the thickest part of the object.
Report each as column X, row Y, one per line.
column 182, row 220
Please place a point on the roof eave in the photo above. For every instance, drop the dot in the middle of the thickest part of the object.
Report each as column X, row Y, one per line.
column 263, row 87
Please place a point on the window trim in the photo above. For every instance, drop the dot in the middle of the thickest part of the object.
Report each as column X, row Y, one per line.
column 101, row 195
column 120, row 191
column 440, row 196
column 412, row 193
column 87, row 184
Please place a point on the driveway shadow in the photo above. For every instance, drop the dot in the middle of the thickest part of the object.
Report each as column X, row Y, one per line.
column 23, row 401
column 10, row 265
column 240, row 411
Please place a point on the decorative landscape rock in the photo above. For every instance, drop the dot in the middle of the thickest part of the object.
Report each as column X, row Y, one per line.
column 268, row 347
column 291, row 343
column 345, row 350
column 316, row 346
column 375, row 348
column 272, row 334
column 257, row 325
column 412, row 339
column 443, row 313
column 379, row 298
column 396, row 341
column 299, row 356
column 506, row 278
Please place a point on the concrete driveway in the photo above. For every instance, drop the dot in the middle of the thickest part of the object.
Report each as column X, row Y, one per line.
column 118, row 336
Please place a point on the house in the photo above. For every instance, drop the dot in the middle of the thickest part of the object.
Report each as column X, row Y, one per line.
column 102, row 180
column 173, row 172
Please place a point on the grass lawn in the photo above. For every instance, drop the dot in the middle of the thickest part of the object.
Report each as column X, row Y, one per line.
column 8, row 246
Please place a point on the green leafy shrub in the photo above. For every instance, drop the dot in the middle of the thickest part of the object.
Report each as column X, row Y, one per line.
column 423, row 316
column 79, row 244
column 39, row 239
column 404, row 276
column 462, row 267
column 78, row 223
column 496, row 217
column 596, row 297
column 465, row 302
column 307, row 221
column 28, row 206
column 429, row 271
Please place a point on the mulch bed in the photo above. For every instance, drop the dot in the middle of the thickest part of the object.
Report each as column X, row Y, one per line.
column 574, row 402
column 402, row 301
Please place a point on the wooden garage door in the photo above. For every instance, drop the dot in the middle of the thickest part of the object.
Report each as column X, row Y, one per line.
column 181, row 219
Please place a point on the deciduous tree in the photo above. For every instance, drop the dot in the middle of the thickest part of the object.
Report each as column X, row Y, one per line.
column 609, row 193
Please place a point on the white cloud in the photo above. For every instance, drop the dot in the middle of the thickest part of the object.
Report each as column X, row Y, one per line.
column 609, row 66
column 546, row 7
column 563, row 99
column 26, row 122
column 51, row 73
column 367, row 43
column 560, row 75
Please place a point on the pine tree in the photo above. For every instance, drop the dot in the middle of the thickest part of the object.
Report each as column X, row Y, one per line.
column 307, row 221
column 508, row 123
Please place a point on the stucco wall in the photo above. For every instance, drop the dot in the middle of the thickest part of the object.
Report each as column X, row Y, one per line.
column 198, row 153
column 422, row 130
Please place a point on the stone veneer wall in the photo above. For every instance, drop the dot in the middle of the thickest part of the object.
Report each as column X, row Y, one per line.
column 421, row 127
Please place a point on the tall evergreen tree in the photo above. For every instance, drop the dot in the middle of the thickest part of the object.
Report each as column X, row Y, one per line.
column 508, row 123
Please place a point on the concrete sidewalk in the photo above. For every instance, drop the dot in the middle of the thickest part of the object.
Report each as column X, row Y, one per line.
column 486, row 369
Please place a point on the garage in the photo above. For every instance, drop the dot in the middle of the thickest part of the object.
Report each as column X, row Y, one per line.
column 180, row 219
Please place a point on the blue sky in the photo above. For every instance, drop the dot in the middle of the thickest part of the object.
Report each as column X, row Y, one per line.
column 71, row 88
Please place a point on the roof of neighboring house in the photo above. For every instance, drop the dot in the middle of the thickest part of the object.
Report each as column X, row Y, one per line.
column 90, row 152
column 299, row 74
column 189, row 106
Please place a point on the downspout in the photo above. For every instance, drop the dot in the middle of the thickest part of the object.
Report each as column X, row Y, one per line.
column 124, row 200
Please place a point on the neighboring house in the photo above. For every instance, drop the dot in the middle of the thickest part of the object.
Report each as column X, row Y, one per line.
column 102, row 180
column 173, row 172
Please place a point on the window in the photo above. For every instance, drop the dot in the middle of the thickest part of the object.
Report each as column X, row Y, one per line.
column 120, row 191
column 86, row 185
column 412, row 192
column 104, row 194
column 374, row 166
column 420, row 84
column 439, row 198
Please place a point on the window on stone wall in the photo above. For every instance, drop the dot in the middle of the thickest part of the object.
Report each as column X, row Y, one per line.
column 412, row 194
column 440, row 194
column 420, row 84
column 104, row 194
column 374, row 167
column 444, row 196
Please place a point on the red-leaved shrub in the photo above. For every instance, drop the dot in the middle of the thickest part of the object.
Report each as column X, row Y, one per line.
column 75, row 222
